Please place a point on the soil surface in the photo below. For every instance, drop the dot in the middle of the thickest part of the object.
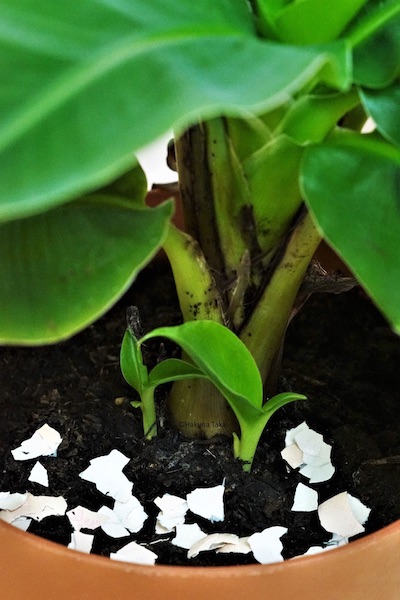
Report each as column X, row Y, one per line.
column 339, row 352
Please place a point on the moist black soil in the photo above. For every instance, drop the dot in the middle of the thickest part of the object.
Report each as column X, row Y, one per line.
column 339, row 352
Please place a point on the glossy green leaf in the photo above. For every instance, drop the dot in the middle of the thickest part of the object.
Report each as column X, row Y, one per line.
column 376, row 54
column 352, row 186
column 221, row 356
column 131, row 363
column 86, row 84
column 131, row 185
column 276, row 402
column 173, row 369
column 315, row 21
column 61, row 270
column 384, row 108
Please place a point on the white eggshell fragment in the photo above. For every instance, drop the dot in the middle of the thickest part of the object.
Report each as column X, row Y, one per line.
column 36, row 507
column 131, row 514
column 39, row 475
column 336, row 516
column 290, row 437
column 241, row 547
column 172, row 512
column 135, row 553
column 293, row 456
column 187, row 535
column 83, row 542
column 212, row 542
column 207, row 503
column 106, row 473
column 305, row 499
column 266, row 545
column 83, row 518
column 44, row 442
column 306, row 449
column 10, row 501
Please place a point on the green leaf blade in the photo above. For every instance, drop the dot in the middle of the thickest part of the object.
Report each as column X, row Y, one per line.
column 61, row 270
column 173, row 369
column 83, row 85
column 131, row 363
column 315, row 21
column 384, row 108
column 280, row 400
column 221, row 356
column 352, row 188
column 376, row 57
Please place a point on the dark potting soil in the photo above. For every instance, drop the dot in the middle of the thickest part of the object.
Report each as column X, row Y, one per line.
column 339, row 352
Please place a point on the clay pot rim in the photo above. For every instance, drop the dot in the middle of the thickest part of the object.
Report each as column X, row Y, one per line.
column 44, row 546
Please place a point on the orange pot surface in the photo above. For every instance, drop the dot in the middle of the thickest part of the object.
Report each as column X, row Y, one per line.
column 32, row 568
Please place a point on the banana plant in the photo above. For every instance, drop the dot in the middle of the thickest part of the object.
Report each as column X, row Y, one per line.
column 268, row 100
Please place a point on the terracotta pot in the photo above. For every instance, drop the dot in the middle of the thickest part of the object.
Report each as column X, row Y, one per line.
column 34, row 568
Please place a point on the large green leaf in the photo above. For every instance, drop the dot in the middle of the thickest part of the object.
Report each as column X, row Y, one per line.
column 376, row 39
column 61, row 270
column 314, row 21
column 85, row 84
column 222, row 357
column 384, row 107
column 352, row 186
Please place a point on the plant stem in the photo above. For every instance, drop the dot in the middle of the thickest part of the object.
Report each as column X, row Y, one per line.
column 196, row 195
column 267, row 324
column 149, row 417
column 197, row 293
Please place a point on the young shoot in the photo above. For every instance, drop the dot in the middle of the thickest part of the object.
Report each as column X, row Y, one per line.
column 217, row 354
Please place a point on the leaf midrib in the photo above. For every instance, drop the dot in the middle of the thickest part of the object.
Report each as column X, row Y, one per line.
column 74, row 80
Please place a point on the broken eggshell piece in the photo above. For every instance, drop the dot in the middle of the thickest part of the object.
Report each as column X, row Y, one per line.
column 305, row 499
column 266, row 545
column 207, row 503
column 187, row 535
column 343, row 515
column 44, row 442
column 106, row 473
column 212, row 542
column 39, row 475
column 172, row 512
column 306, row 449
column 135, row 553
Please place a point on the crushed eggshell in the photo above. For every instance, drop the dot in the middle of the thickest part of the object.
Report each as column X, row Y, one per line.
column 305, row 499
column 207, row 503
column 10, row 501
column 125, row 518
column 36, row 507
column 212, row 542
column 135, row 553
column 305, row 448
column 337, row 540
column 21, row 523
column 266, row 545
column 112, row 526
column 172, row 512
column 131, row 514
column 293, row 456
column 83, row 542
column 187, row 535
column 39, row 475
column 337, row 515
column 106, row 473
column 241, row 547
column 83, row 518
column 44, row 442
column 360, row 511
